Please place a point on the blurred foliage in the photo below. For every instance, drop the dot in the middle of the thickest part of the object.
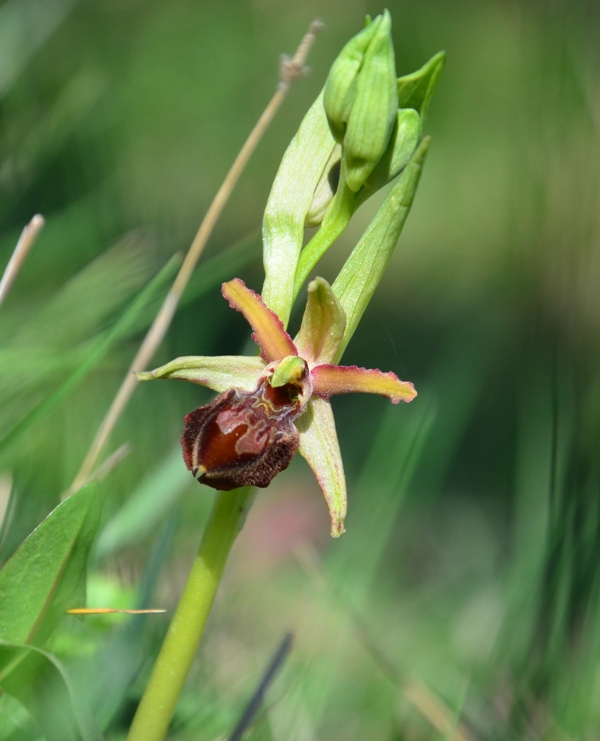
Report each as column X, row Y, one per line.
column 468, row 579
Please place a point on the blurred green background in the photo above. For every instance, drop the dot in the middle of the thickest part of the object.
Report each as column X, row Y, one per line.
column 464, row 599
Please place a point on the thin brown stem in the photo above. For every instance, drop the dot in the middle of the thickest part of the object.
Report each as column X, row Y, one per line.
column 18, row 257
column 289, row 71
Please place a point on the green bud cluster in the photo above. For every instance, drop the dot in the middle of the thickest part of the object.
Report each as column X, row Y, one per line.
column 361, row 133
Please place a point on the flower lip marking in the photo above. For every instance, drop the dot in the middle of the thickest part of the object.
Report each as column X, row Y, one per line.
column 246, row 438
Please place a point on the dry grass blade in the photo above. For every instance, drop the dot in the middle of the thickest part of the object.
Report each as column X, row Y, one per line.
column 290, row 70
column 18, row 257
column 111, row 462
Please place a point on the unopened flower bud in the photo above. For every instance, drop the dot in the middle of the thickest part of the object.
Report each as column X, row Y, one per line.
column 361, row 99
column 340, row 88
column 403, row 142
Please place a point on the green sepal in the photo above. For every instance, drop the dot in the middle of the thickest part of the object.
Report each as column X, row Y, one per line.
column 373, row 112
column 217, row 373
column 365, row 266
column 323, row 324
column 320, row 448
column 289, row 202
column 416, row 90
column 289, row 370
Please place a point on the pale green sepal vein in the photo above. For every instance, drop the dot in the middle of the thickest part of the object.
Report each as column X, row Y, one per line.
column 217, row 373
column 364, row 268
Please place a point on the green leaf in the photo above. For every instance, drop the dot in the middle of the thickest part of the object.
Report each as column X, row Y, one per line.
column 364, row 268
column 289, row 203
column 416, row 90
column 41, row 684
column 46, row 575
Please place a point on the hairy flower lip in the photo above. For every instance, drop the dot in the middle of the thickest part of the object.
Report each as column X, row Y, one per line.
column 281, row 400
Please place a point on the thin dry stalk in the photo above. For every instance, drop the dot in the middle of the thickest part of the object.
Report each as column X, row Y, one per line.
column 111, row 462
column 289, row 71
column 18, row 257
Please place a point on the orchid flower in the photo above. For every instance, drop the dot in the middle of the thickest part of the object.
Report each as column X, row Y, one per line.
column 272, row 406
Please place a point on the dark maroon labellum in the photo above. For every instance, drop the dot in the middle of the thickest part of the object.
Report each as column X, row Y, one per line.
column 242, row 438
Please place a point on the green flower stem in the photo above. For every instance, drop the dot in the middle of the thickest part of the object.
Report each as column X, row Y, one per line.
column 158, row 703
column 336, row 220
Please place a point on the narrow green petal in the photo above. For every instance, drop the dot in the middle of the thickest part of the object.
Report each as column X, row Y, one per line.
column 268, row 332
column 323, row 324
column 218, row 373
column 320, row 447
column 290, row 200
column 343, row 379
column 363, row 270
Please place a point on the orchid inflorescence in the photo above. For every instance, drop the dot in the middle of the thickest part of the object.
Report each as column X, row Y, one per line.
column 363, row 131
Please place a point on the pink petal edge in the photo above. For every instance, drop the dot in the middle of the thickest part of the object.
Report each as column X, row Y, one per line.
column 268, row 330
column 344, row 379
